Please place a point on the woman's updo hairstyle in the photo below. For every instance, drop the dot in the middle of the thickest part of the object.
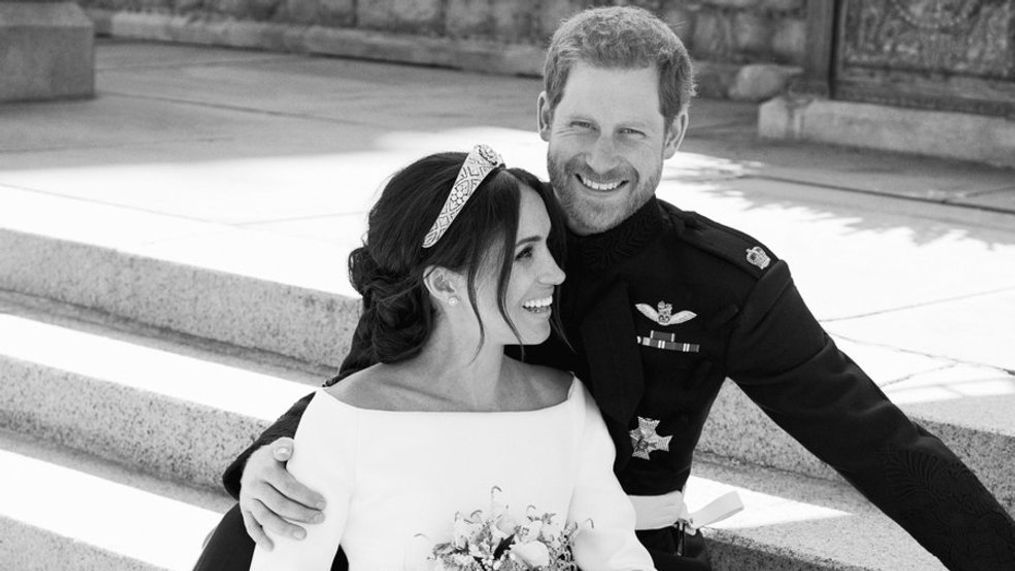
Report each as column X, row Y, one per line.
column 388, row 270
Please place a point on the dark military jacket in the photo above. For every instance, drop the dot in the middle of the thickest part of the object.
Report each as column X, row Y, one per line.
column 660, row 310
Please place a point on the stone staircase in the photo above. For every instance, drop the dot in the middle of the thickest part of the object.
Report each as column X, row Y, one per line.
column 132, row 370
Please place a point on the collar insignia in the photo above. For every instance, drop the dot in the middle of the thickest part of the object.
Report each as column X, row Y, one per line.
column 756, row 256
column 646, row 440
column 663, row 313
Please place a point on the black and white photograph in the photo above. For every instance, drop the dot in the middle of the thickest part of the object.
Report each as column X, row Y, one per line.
column 507, row 285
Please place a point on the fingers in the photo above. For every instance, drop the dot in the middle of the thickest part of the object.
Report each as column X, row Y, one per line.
column 284, row 507
column 255, row 531
column 270, row 521
column 290, row 488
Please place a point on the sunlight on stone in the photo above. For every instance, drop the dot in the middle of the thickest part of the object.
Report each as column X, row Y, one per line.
column 694, row 167
column 74, row 504
column 952, row 383
column 759, row 509
column 148, row 369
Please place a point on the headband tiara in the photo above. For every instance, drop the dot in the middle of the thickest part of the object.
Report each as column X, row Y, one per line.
column 482, row 160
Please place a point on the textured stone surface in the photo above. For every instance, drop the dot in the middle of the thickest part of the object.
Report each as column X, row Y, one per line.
column 942, row 134
column 168, row 409
column 470, row 18
column 339, row 13
column 711, row 39
column 680, row 18
column 288, row 320
column 758, row 82
column 419, row 16
column 94, row 514
column 46, row 51
column 789, row 40
column 751, row 32
column 782, row 5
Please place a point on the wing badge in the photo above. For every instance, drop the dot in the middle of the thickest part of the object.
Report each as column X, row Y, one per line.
column 663, row 313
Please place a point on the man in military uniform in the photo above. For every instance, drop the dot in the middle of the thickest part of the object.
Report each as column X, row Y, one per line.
column 660, row 306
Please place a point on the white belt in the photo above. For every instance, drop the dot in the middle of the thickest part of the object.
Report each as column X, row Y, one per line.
column 657, row 512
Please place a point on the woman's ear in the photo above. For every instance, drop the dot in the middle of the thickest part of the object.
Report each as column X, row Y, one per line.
column 443, row 285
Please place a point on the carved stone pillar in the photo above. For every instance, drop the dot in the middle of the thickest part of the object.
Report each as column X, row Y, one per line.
column 46, row 51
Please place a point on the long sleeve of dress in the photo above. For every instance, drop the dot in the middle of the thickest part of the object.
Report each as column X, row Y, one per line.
column 783, row 360
column 323, row 458
column 600, row 506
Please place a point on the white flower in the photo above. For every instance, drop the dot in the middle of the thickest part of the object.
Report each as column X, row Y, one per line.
column 530, row 531
column 534, row 554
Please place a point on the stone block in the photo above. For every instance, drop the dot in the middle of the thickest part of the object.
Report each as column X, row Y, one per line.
column 518, row 22
column 471, row 18
column 789, row 40
column 758, row 82
column 714, row 79
column 961, row 136
column 733, row 3
column 551, row 14
column 681, row 19
column 239, row 9
column 711, row 39
column 782, row 5
column 417, row 16
column 337, row 13
column 302, row 11
column 46, row 51
column 751, row 33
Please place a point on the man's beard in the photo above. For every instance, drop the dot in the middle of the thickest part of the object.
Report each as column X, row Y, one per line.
column 585, row 216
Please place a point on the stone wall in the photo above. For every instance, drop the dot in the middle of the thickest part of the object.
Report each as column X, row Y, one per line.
column 720, row 31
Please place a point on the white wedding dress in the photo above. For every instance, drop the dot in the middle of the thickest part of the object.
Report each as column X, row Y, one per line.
column 389, row 476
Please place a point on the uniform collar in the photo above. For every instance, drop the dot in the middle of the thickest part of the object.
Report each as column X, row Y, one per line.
column 600, row 251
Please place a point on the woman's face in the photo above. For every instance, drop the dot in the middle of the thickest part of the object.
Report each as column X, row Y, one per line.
column 534, row 275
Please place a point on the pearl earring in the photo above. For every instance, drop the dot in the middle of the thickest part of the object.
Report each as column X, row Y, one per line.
column 452, row 300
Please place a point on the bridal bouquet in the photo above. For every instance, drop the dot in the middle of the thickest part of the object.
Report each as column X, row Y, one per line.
column 495, row 541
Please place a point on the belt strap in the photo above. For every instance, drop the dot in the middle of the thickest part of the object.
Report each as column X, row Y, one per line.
column 657, row 512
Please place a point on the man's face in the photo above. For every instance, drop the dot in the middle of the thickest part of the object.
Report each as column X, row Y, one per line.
column 607, row 143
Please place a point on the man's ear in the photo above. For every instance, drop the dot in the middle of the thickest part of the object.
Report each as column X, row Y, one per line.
column 544, row 116
column 441, row 282
column 675, row 134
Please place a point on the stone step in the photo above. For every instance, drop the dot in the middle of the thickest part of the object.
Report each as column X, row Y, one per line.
column 160, row 407
column 245, row 287
column 84, row 514
column 62, row 509
column 205, row 280
column 968, row 407
column 158, row 402
column 66, row 510
column 795, row 522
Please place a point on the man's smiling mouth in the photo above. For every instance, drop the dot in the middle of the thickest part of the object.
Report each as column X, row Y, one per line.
column 599, row 186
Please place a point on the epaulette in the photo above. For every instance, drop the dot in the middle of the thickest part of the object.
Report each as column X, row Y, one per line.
column 730, row 244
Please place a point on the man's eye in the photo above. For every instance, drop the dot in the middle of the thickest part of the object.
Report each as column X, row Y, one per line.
column 581, row 124
column 633, row 132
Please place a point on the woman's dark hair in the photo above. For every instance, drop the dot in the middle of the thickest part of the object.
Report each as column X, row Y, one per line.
column 389, row 269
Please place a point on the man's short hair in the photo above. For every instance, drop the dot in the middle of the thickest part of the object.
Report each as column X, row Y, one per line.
column 623, row 37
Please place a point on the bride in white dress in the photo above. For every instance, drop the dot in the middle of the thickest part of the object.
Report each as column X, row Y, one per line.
column 459, row 261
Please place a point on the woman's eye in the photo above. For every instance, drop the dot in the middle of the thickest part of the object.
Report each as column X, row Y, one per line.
column 523, row 254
